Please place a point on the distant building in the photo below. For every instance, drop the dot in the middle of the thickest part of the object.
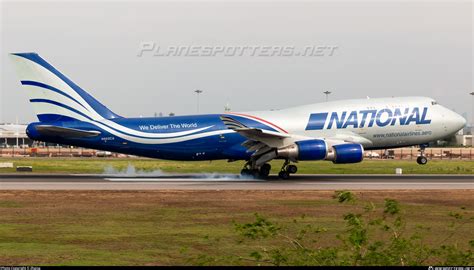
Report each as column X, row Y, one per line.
column 464, row 140
column 13, row 135
column 468, row 129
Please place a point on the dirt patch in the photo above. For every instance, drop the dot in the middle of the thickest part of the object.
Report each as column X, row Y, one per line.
column 72, row 202
column 143, row 227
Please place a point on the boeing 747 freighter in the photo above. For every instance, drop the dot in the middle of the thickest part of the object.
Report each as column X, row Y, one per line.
column 337, row 131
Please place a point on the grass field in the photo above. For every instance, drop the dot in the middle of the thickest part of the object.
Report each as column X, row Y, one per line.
column 172, row 227
column 101, row 165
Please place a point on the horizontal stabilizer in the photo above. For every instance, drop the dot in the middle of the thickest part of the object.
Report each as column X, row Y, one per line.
column 49, row 130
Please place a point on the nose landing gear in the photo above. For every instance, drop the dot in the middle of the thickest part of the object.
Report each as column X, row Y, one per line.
column 422, row 159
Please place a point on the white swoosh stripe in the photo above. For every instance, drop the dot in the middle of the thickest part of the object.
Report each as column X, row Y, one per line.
column 163, row 141
column 63, row 111
column 51, row 79
column 43, row 75
column 47, row 108
column 146, row 134
column 36, row 93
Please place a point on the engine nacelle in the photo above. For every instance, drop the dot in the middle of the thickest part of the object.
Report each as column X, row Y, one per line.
column 305, row 150
column 347, row 153
column 318, row 150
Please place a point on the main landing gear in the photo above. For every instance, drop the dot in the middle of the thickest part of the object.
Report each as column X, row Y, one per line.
column 264, row 170
column 422, row 160
column 286, row 170
column 261, row 172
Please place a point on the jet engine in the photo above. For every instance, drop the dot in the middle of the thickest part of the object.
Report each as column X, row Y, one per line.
column 305, row 150
column 318, row 150
column 346, row 153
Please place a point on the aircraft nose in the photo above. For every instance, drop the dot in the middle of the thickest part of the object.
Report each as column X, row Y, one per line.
column 457, row 121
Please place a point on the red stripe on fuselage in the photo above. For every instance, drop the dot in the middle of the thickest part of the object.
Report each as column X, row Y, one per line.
column 260, row 119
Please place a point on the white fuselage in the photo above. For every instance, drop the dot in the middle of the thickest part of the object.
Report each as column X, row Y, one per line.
column 375, row 123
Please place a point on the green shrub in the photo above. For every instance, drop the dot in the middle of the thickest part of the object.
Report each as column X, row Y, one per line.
column 372, row 237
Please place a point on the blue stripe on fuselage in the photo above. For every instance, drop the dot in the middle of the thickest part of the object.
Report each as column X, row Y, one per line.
column 317, row 121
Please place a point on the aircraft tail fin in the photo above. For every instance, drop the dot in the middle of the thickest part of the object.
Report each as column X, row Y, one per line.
column 54, row 96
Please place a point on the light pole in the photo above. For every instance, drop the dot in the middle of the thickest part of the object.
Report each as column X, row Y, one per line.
column 197, row 93
column 17, row 132
column 327, row 94
column 472, row 113
column 227, row 107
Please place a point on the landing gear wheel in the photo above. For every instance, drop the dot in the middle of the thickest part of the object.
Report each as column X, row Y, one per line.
column 245, row 172
column 255, row 173
column 265, row 170
column 422, row 160
column 284, row 175
column 292, row 169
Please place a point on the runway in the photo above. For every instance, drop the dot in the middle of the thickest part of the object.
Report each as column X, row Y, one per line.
column 232, row 182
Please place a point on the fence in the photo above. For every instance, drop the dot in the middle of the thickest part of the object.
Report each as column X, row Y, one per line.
column 54, row 152
column 430, row 153
column 399, row 153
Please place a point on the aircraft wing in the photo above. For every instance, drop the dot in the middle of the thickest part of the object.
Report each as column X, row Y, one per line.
column 260, row 134
column 261, row 142
column 49, row 130
column 267, row 137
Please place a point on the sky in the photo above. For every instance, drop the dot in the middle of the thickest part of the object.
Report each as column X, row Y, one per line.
column 381, row 49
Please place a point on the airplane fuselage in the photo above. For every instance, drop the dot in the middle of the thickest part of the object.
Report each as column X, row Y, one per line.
column 374, row 123
column 337, row 131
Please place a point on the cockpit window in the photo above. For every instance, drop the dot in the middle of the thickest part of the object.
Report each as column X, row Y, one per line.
column 434, row 102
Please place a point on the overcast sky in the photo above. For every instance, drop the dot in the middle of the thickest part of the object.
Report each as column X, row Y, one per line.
column 383, row 49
